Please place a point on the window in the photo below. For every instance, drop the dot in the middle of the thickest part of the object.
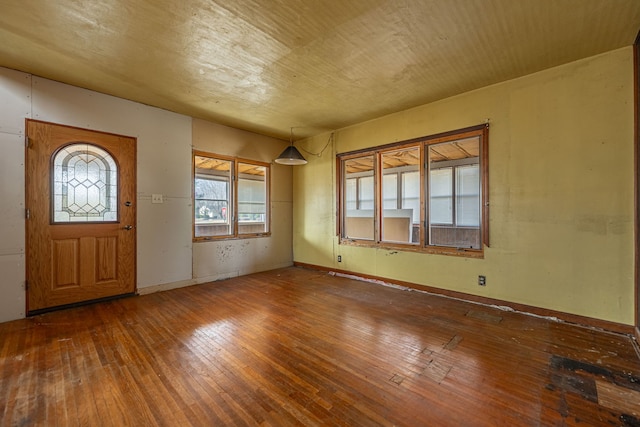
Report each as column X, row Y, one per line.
column 230, row 197
column 359, row 198
column 428, row 194
column 400, row 213
column 454, row 194
column 252, row 198
column 85, row 185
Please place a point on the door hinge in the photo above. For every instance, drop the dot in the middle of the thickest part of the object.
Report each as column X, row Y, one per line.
column 27, row 213
column 26, row 285
column 27, row 141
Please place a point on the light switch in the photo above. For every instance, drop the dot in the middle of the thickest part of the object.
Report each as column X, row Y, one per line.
column 156, row 198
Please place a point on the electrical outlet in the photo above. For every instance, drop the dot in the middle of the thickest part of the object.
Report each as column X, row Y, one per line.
column 157, row 198
column 339, row 258
column 482, row 280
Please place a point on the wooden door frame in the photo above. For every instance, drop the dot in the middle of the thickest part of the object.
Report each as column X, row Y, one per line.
column 134, row 175
column 636, row 152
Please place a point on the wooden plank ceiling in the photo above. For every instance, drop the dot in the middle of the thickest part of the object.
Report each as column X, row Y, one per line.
column 452, row 150
column 315, row 66
column 203, row 163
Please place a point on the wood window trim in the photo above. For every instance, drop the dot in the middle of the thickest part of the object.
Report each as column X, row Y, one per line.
column 423, row 142
column 235, row 234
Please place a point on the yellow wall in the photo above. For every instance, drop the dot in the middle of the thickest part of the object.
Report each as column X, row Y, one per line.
column 561, row 191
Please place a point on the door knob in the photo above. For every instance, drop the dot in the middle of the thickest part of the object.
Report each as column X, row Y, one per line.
column 127, row 203
column 128, row 227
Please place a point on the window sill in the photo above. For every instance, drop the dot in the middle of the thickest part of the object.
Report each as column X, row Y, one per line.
column 200, row 239
column 434, row 250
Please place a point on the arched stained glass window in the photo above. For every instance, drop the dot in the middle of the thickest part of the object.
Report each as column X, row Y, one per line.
column 85, row 184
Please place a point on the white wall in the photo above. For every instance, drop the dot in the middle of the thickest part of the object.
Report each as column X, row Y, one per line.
column 15, row 105
column 165, row 250
column 229, row 258
column 163, row 162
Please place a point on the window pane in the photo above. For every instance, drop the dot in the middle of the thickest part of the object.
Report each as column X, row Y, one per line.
column 441, row 200
column 411, row 200
column 212, row 202
column 350, row 192
column 358, row 186
column 252, row 199
column 85, row 185
column 390, row 191
column 211, row 188
column 411, row 194
column 365, row 193
column 397, row 221
column 468, row 195
column 212, row 197
column 454, row 193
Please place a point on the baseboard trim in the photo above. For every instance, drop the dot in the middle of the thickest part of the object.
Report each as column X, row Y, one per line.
column 522, row 308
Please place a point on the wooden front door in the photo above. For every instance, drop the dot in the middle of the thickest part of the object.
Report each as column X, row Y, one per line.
column 81, row 215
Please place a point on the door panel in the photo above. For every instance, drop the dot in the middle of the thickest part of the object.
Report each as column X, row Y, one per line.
column 86, row 257
column 65, row 263
column 106, row 259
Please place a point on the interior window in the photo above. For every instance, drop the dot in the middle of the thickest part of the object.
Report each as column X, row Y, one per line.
column 212, row 196
column 230, row 197
column 359, row 198
column 454, row 193
column 429, row 194
column 400, row 214
column 252, row 198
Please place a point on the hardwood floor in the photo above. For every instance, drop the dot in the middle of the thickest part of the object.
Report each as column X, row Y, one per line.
column 301, row 347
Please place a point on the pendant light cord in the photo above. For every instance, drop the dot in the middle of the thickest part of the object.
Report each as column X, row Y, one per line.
column 319, row 154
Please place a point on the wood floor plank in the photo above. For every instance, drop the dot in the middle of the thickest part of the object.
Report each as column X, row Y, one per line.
column 295, row 347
